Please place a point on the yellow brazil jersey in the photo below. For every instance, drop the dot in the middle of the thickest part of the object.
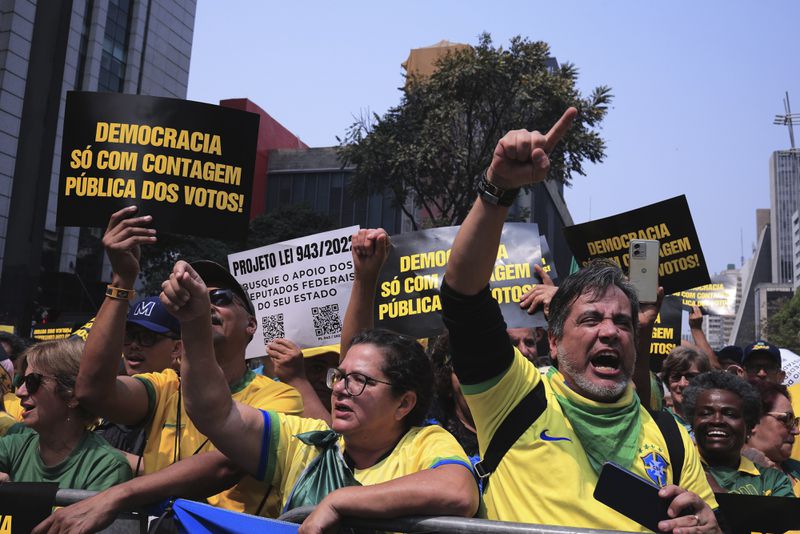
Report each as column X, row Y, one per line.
column 12, row 405
column 160, row 451
column 794, row 394
column 285, row 457
column 546, row 477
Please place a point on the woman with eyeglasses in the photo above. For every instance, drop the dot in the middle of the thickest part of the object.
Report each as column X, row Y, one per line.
column 373, row 461
column 776, row 431
column 680, row 367
column 58, row 447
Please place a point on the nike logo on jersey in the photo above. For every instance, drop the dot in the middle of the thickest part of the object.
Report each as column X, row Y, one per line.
column 545, row 437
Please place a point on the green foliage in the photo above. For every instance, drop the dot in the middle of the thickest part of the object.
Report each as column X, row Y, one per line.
column 430, row 149
column 783, row 327
column 287, row 222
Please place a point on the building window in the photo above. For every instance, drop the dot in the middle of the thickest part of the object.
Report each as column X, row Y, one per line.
column 115, row 46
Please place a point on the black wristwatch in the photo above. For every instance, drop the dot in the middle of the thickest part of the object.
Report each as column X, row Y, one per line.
column 495, row 195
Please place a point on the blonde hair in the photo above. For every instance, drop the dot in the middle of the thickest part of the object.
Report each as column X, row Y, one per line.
column 60, row 359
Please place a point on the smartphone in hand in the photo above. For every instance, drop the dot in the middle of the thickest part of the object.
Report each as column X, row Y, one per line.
column 643, row 268
column 631, row 495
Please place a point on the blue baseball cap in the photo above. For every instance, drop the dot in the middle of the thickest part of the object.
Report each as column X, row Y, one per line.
column 762, row 347
column 149, row 313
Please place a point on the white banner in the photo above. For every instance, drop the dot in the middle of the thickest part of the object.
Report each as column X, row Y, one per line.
column 790, row 362
column 300, row 288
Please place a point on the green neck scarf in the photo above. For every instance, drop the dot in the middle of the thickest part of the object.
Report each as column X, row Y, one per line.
column 608, row 431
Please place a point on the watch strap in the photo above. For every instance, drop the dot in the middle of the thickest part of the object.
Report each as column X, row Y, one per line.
column 493, row 194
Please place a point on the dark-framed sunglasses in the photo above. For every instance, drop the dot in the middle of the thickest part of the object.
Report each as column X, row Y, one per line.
column 354, row 383
column 33, row 381
column 222, row 296
column 787, row 418
column 144, row 338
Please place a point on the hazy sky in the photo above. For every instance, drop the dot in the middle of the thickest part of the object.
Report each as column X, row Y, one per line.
column 696, row 85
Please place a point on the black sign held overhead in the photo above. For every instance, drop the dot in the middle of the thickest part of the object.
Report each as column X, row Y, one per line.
column 188, row 164
column 716, row 298
column 408, row 289
column 681, row 264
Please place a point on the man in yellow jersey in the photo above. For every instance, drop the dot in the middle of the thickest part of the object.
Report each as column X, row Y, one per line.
column 592, row 414
column 154, row 399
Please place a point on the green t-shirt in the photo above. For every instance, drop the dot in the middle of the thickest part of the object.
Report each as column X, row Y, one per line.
column 751, row 480
column 93, row 465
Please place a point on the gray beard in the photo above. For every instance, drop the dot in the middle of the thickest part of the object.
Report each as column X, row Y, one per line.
column 586, row 387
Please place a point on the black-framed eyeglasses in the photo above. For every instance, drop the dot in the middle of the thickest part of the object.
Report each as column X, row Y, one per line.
column 768, row 367
column 144, row 338
column 787, row 418
column 33, row 381
column 354, row 383
column 676, row 377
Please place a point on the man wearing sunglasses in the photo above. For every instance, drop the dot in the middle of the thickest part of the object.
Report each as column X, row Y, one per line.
column 154, row 398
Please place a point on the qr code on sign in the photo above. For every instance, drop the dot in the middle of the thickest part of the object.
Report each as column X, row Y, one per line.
column 326, row 320
column 273, row 327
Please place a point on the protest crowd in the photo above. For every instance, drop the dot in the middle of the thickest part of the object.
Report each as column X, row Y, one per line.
column 486, row 421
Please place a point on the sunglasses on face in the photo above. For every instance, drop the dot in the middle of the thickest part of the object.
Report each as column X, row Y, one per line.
column 676, row 377
column 222, row 297
column 354, row 383
column 143, row 338
column 754, row 368
column 33, row 382
column 787, row 418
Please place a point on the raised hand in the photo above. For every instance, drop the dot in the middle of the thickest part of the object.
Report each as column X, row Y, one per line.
column 522, row 157
column 539, row 295
column 122, row 239
column 370, row 248
column 287, row 360
column 184, row 294
column 696, row 319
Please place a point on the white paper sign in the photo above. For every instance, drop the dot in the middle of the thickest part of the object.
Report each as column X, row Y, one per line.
column 300, row 288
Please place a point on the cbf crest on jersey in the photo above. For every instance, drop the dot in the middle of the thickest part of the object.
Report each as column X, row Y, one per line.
column 656, row 468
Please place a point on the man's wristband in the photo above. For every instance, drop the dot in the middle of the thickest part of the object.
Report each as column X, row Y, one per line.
column 495, row 195
column 119, row 293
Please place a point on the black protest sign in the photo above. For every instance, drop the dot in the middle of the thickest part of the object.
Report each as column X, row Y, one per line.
column 188, row 164
column 50, row 331
column 716, row 298
column 408, row 290
column 23, row 505
column 681, row 263
column 667, row 328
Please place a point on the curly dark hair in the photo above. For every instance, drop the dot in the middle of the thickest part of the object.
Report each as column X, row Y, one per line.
column 751, row 400
column 16, row 343
column 406, row 366
column 594, row 279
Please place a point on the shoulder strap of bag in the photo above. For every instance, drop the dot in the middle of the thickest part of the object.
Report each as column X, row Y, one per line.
column 672, row 435
column 513, row 426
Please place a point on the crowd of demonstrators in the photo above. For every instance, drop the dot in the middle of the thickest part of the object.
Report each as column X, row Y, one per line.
column 724, row 410
column 378, row 428
column 55, row 445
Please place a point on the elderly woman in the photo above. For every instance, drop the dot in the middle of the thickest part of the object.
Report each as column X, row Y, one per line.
column 776, row 431
column 384, row 465
column 60, row 449
column 724, row 409
column 680, row 367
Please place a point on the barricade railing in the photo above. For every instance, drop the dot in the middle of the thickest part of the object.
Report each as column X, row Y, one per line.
column 130, row 522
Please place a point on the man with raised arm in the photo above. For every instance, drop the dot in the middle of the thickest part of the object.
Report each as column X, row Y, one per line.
column 154, row 399
column 591, row 414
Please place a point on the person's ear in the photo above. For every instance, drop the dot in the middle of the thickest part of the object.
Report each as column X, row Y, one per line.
column 252, row 324
column 407, row 402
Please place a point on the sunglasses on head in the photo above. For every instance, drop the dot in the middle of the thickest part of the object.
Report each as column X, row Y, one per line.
column 33, row 381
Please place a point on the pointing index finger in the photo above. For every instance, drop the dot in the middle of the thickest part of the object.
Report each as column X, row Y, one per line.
column 559, row 129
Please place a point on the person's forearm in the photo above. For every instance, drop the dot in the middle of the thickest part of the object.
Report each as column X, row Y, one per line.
column 641, row 371
column 207, row 396
column 95, row 385
column 360, row 314
column 700, row 340
column 474, row 250
column 312, row 406
column 446, row 490
column 198, row 476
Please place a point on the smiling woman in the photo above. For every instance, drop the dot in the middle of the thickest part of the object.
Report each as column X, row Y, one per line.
column 724, row 409
column 57, row 447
